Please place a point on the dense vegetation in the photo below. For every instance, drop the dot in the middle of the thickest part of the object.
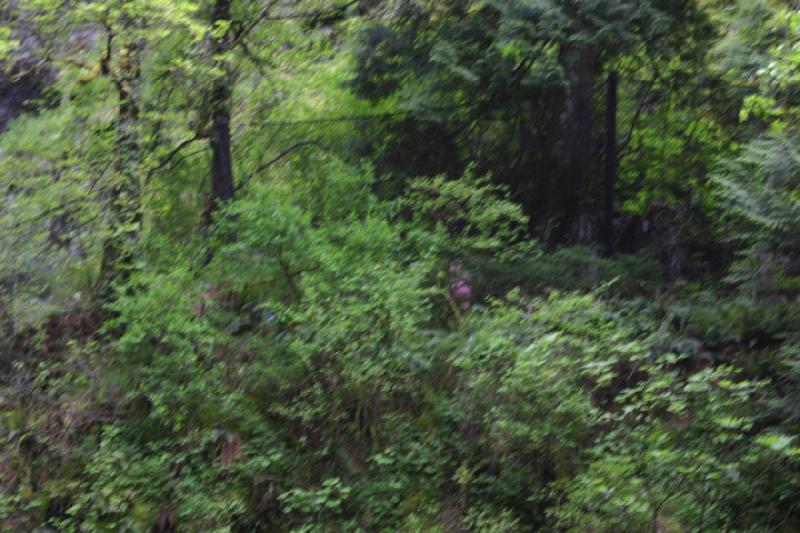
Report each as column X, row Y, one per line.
column 400, row 265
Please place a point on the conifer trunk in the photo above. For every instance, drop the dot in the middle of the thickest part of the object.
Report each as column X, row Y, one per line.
column 574, row 144
column 222, row 189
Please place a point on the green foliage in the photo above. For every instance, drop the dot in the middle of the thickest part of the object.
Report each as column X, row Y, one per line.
column 475, row 215
column 365, row 337
column 759, row 188
column 7, row 44
column 574, row 268
column 487, row 84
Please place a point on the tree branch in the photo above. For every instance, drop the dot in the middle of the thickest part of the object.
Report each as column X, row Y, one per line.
column 181, row 145
column 281, row 155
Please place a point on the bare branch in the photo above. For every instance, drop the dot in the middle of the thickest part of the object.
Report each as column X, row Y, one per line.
column 175, row 151
column 281, row 155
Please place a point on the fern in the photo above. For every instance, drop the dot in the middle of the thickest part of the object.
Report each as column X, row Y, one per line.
column 759, row 189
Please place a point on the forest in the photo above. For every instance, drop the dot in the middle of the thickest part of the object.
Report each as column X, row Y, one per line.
column 400, row 265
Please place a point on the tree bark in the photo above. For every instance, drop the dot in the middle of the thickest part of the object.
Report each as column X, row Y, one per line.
column 574, row 143
column 222, row 186
column 609, row 185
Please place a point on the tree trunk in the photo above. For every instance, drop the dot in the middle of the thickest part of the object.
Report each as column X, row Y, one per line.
column 124, row 202
column 222, row 189
column 609, row 185
column 574, row 140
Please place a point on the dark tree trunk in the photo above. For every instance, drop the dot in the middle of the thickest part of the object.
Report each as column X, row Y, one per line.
column 221, row 168
column 574, row 139
column 222, row 188
column 609, row 184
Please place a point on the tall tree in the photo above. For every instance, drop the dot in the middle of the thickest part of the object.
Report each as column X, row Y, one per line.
column 98, row 49
column 510, row 86
column 222, row 186
column 125, row 195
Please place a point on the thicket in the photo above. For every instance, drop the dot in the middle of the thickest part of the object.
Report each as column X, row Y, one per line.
column 349, row 266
